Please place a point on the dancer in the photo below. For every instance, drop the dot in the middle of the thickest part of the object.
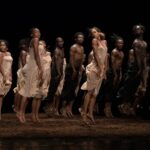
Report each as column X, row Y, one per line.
column 5, row 71
column 95, row 72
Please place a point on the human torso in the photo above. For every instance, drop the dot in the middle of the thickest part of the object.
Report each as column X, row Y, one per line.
column 118, row 58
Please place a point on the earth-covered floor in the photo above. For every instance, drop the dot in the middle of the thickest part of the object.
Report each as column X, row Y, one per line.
column 10, row 127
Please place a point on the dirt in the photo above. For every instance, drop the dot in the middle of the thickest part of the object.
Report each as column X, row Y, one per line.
column 10, row 127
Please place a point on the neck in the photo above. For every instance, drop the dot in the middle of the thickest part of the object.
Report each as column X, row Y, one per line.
column 140, row 37
column 79, row 44
column 61, row 48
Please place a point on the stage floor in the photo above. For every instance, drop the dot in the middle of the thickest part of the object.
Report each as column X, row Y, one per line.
column 10, row 127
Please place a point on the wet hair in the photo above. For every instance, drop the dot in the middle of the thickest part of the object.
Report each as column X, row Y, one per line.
column 96, row 28
column 115, row 38
column 140, row 25
column 59, row 37
column 6, row 42
column 77, row 34
column 25, row 41
column 32, row 29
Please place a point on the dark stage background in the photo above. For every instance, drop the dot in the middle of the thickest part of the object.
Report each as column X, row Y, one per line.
column 63, row 18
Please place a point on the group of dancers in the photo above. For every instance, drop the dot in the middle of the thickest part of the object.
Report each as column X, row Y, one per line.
column 50, row 77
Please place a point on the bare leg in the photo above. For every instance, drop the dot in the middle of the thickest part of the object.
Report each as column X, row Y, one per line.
column 56, row 106
column 34, row 103
column 1, row 103
column 17, row 102
column 91, row 108
column 107, row 110
column 85, row 107
column 24, row 109
column 21, row 114
column 38, row 103
column 63, row 109
column 69, row 109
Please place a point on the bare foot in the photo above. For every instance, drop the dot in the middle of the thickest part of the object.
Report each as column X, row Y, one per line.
column 91, row 118
column 19, row 116
column 56, row 113
column 21, row 119
column 33, row 118
column 38, row 119
column 63, row 112
column 14, row 109
column 108, row 113
column 69, row 114
column 84, row 117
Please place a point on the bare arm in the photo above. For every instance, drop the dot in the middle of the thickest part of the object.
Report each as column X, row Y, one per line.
column 107, row 62
column 36, row 52
column 1, row 60
column 145, row 57
column 131, row 56
column 23, row 56
column 95, row 53
column 58, row 61
column 72, row 57
column 137, row 54
column 113, row 61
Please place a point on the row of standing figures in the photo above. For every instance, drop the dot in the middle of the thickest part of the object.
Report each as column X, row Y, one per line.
column 42, row 77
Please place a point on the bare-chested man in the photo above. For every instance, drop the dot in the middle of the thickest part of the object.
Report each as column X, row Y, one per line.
column 72, row 74
column 139, row 46
column 56, row 76
column 114, row 75
column 136, row 78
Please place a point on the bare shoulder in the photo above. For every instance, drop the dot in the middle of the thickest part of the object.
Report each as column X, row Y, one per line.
column 105, row 42
column 56, row 51
column 135, row 42
column 131, row 51
column 23, row 52
column 48, row 53
column 73, row 47
column 114, row 52
column 94, row 40
column 8, row 53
